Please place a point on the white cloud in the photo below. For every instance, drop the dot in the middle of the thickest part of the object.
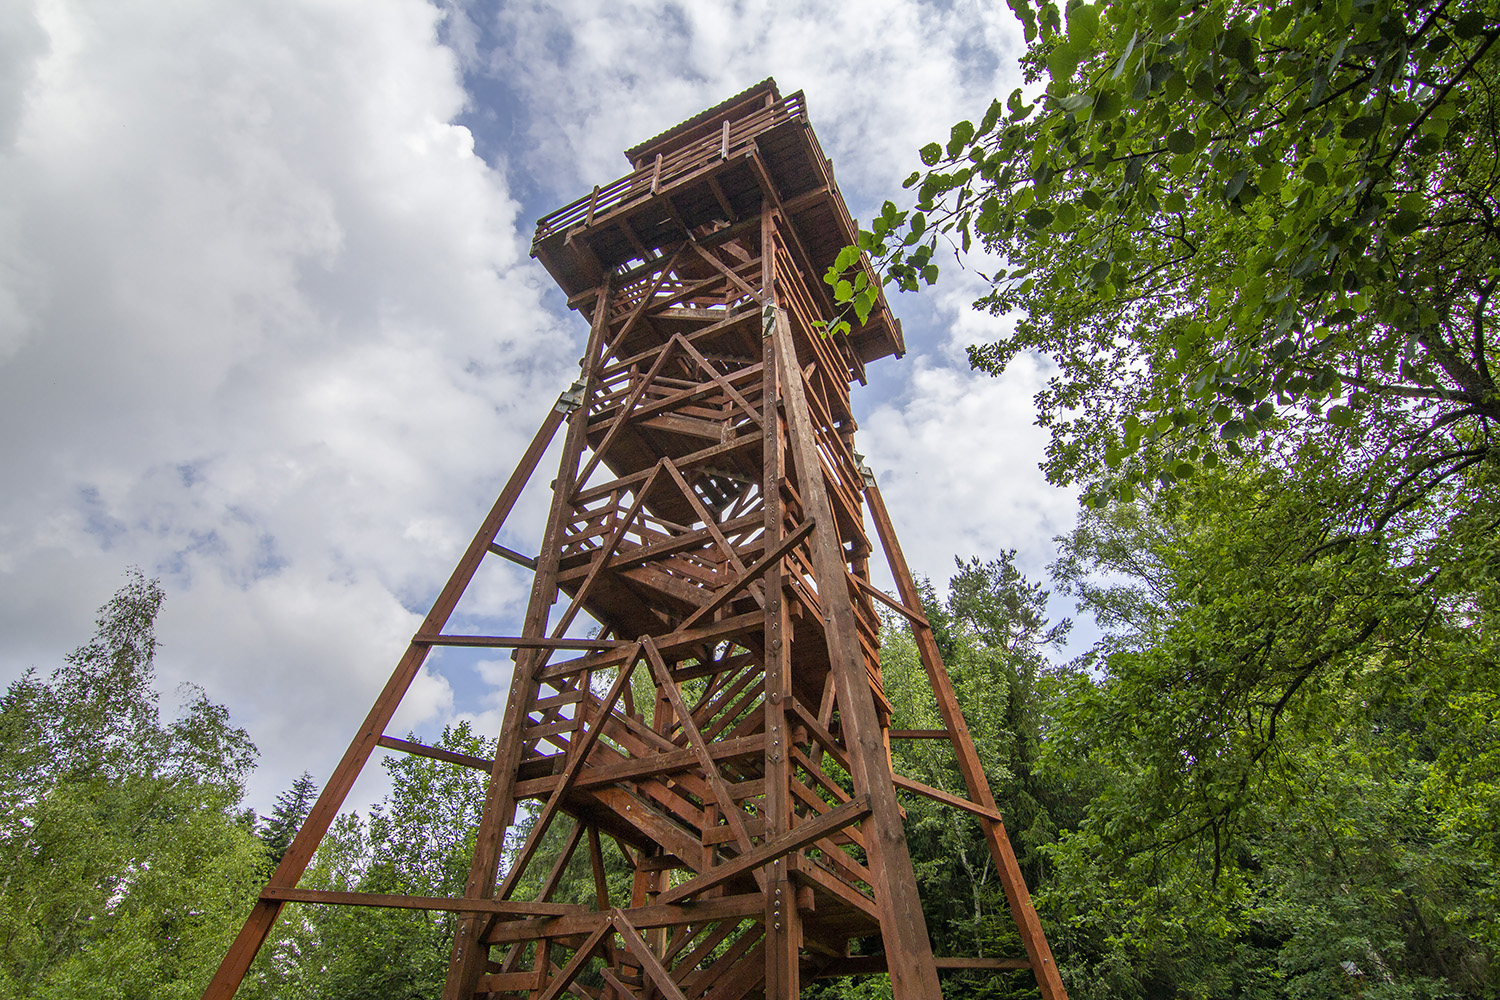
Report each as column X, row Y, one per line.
column 268, row 327
column 882, row 77
column 269, row 331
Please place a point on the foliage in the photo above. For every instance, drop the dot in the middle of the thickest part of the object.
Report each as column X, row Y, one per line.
column 1266, row 737
column 417, row 842
column 125, row 864
column 291, row 808
column 1238, row 228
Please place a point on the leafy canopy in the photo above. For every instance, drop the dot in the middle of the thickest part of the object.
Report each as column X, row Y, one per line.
column 1233, row 225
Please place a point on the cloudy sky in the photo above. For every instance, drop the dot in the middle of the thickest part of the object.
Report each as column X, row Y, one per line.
column 269, row 329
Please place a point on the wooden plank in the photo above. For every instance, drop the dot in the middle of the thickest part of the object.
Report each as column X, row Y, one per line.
column 817, row 877
column 800, row 836
column 656, row 915
column 889, row 601
column 658, row 765
column 947, row 798
column 870, row 965
column 512, row 555
column 919, row 734
column 435, row 753
column 515, row 642
column 509, row 908
column 510, row 982
column 637, row 947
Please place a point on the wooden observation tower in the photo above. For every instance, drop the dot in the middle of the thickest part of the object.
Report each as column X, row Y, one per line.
column 726, row 731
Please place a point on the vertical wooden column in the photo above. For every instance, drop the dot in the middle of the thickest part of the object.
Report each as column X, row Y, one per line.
column 469, row 954
column 1016, row 894
column 783, row 923
column 903, row 928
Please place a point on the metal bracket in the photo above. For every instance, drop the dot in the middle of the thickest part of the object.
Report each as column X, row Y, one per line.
column 570, row 400
column 767, row 319
column 865, row 472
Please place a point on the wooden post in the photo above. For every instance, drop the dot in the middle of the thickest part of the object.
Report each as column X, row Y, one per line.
column 469, row 955
column 262, row 918
column 1016, row 893
column 903, row 928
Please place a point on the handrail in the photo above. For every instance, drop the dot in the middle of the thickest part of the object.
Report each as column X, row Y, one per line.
column 659, row 174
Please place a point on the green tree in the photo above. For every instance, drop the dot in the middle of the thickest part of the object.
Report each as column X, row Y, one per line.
column 1271, row 742
column 995, row 637
column 125, row 862
column 1238, row 227
column 286, row 818
column 417, row 842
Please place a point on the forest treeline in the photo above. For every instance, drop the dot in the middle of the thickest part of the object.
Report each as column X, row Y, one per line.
column 1275, row 775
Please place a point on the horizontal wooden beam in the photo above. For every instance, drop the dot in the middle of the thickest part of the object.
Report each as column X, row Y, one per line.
column 513, row 556
column 751, row 904
column 652, row 765
column 508, row 908
column 515, row 642
column 947, row 798
column 421, row 750
column 870, row 965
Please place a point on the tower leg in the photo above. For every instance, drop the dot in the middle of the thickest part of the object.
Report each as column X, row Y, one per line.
column 1016, row 894
column 257, row 926
column 903, row 928
column 469, row 953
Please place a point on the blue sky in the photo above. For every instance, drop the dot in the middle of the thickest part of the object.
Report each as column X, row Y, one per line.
column 270, row 331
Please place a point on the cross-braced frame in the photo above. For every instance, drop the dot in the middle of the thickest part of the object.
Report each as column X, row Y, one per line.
column 724, row 734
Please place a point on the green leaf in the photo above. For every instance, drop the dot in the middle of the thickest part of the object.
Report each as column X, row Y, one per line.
column 1470, row 25
column 1182, row 141
column 1125, row 56
column 1062, row 61
column 991, row 118
column 959, row 138
column 1236, row 185
column 931, row 153
column 1083, row 24
column 1405, row 223
column 1038, row 217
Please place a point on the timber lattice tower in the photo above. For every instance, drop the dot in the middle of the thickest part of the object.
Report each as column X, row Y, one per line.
column 726, row 732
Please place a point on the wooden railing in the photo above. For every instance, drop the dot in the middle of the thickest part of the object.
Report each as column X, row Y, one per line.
column 666, row 169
